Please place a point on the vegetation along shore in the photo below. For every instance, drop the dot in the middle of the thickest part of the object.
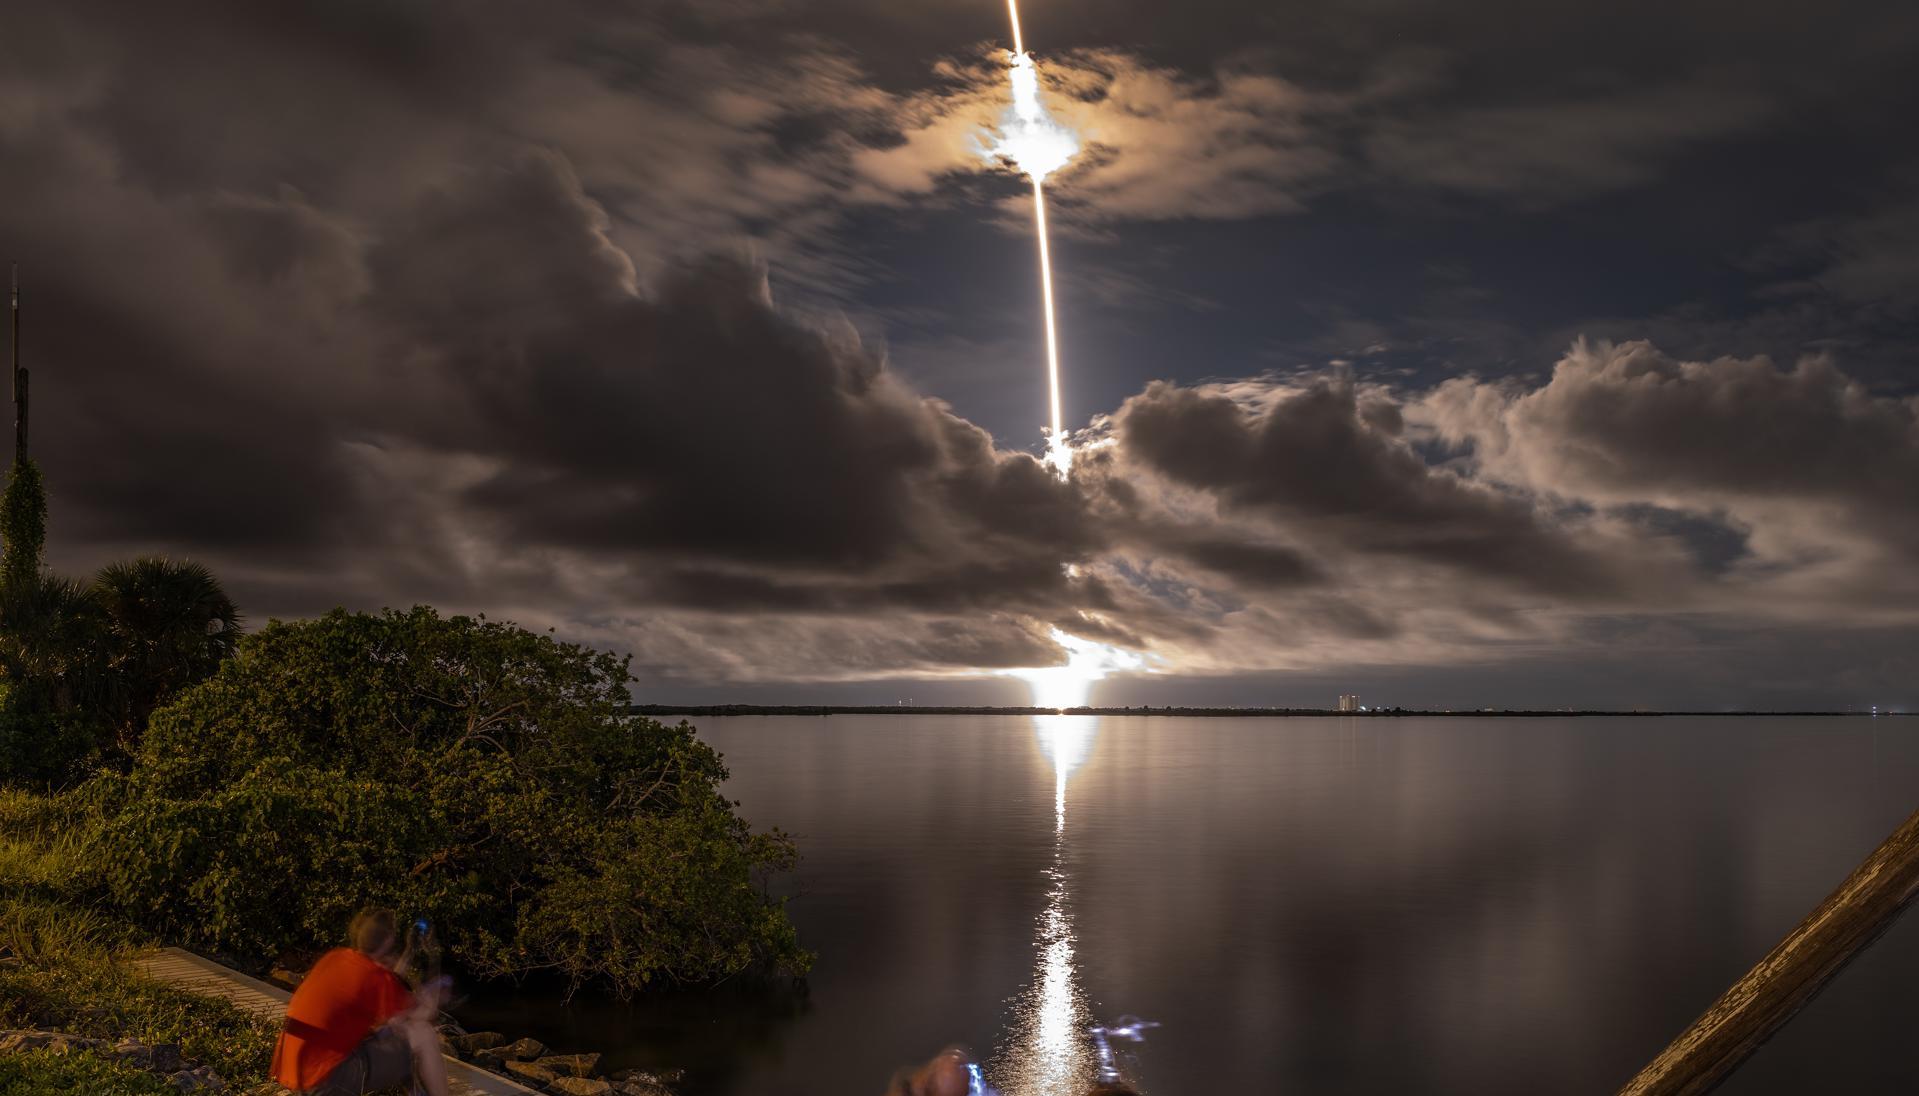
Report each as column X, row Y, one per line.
column 166, row 779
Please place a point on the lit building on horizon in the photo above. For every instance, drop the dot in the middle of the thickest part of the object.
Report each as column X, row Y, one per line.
column 1349, row 702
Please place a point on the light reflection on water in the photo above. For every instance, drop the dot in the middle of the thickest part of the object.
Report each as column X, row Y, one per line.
column 1510, row 906
column 1047, row 1052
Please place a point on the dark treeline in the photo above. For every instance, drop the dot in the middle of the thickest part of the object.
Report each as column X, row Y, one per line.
column 654, row 710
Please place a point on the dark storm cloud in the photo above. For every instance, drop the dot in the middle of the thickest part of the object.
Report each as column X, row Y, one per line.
column 1326, row 464
column 698, row 421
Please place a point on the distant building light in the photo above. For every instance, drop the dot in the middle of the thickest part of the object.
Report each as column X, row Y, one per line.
column 1349, row 702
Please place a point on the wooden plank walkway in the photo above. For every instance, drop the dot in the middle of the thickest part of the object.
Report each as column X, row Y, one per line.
column 196, row 974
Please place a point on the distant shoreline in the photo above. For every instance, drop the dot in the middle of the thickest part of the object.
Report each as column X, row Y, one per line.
column 1210, row 713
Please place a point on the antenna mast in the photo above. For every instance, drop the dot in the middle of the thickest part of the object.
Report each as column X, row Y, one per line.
column 19, row 380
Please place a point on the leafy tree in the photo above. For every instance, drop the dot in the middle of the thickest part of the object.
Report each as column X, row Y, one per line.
column 51, row 664
column 23, row 524
column 167, row 625
column 476, row 773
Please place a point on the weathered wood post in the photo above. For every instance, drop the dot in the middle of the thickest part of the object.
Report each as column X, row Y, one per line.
column 1863, row 907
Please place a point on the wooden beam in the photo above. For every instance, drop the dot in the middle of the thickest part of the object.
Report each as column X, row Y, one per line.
column 1791, row 975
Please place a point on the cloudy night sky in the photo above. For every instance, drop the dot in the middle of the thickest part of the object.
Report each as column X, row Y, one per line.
column 1472, row 354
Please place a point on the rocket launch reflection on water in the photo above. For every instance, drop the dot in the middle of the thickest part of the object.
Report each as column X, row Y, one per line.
column 1050, row 1049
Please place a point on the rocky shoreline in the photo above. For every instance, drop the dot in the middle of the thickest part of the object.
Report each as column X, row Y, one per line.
column 528, row 1062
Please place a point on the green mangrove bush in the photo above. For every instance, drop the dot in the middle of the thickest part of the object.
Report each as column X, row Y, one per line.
column 483, row 776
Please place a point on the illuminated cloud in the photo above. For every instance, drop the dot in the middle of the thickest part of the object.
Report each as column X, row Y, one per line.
column 433, row 313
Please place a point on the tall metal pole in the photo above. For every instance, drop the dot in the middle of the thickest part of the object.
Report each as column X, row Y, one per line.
column 19, row 380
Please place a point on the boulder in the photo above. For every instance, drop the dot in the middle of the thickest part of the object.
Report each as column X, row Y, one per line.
column 287, row 978
column 537, row 1076
column 14, row 1042
column 166, row 1058
column 642, row 1088
column 489, row 1059
column 523, row 1050
column 468, row 1045
column 571, row 1065
column 579, row 1086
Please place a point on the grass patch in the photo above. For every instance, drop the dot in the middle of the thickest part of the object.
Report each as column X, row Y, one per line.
column 36, row 1072
column 68, row 970
column 104, row 999
column 41, row 851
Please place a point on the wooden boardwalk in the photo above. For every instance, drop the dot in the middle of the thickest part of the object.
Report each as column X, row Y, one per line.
column 195, row 974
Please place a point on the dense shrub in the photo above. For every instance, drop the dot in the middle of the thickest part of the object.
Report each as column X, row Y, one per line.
column 471, row 772
column 41, row 745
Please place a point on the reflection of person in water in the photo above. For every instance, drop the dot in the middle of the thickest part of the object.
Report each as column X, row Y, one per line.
column 945, row 1074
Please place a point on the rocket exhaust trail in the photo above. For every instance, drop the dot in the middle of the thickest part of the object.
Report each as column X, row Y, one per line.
column 1058, row 453
column 1038, row 146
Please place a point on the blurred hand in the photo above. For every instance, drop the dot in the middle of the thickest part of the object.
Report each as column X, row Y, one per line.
column 432, row 994
column 943, row 1075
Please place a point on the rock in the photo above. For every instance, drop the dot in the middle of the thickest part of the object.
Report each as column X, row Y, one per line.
column 646, row 1082
column 575, row 1065
column 197, row 1080
column 489, row 1059
column 523, row 1050
column 16, row 1041
column 536, row 1075
column 285, row 977
column 579, row 1086
column 468, row 1045
column 167, row 1058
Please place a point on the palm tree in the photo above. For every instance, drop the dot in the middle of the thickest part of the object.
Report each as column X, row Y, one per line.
column 50, row 635
column 168, row 625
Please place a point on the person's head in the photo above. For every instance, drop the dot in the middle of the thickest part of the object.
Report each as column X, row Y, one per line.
column 375, row 933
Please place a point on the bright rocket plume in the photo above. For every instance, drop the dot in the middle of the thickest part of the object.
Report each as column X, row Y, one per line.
column 1032, row 141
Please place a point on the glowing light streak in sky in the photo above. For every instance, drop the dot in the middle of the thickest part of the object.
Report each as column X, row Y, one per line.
column 1032, row 141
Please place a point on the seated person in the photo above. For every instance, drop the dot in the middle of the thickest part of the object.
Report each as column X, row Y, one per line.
column 354, row 1027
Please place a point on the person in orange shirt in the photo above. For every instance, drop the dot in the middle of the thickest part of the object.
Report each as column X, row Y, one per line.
column 354, row 1027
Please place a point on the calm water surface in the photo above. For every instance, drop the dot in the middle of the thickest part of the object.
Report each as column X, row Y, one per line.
column 1310, row 906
